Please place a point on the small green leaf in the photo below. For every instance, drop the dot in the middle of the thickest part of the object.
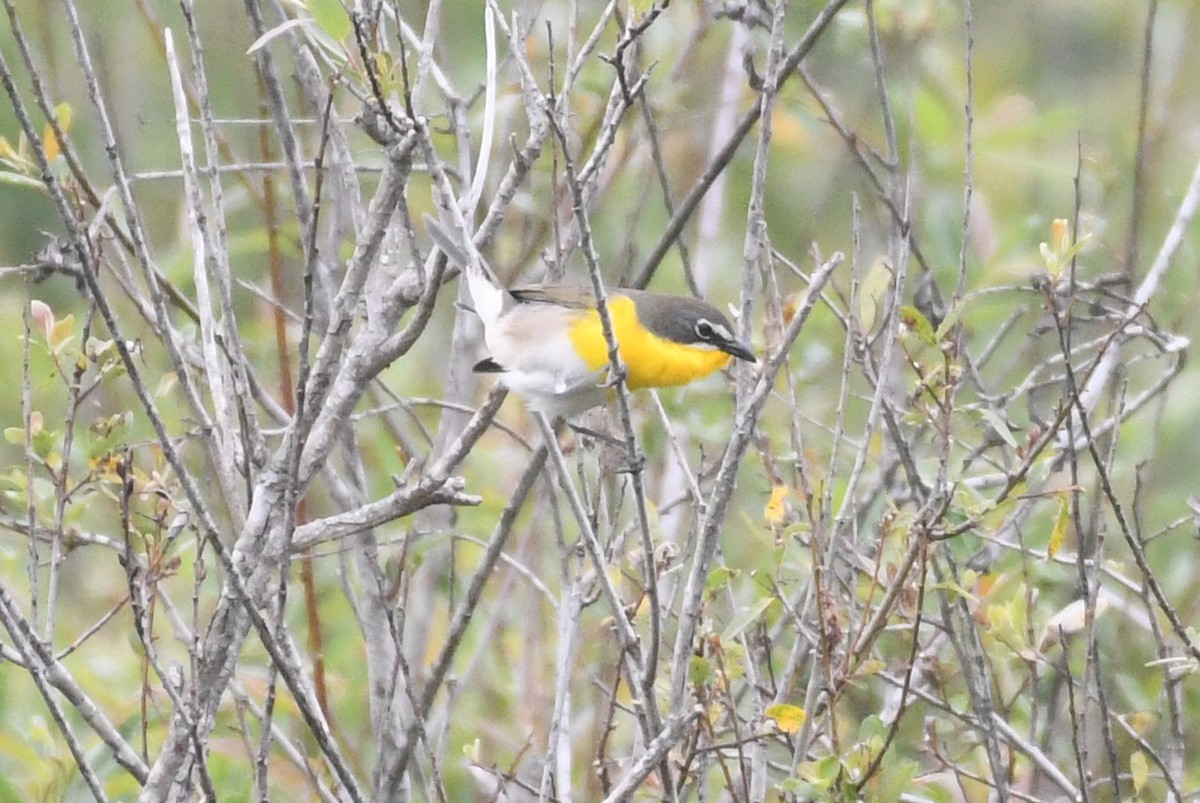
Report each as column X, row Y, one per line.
column 718, row 578
column 700, row 671
column 822, row 772
column 954, row 587
column 872, row 728
column 998, row 424
column 471, row 751
column 44, row 443
column 1059, row 533
column 916, row 321
column 1139, row 770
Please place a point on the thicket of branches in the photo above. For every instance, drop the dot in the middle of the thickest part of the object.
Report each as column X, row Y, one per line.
column 263, row 525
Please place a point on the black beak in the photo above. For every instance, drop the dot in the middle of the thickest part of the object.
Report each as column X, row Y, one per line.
column 739, row 349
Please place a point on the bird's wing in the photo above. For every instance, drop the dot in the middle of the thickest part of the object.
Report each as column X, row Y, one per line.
column 560, row 295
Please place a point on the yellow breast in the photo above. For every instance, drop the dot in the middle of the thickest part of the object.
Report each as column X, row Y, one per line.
column 650, row 360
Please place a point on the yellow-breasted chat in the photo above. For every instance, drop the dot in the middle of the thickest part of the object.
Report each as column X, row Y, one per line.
column 546, row 341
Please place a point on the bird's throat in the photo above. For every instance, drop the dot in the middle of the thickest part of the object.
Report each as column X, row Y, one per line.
column 651, row 361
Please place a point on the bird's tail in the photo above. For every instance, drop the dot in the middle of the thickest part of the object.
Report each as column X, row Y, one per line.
column 488, row 297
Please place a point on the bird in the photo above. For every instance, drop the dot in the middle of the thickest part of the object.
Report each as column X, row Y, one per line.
column 546, row 341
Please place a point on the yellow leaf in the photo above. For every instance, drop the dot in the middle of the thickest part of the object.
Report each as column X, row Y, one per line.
column 62, row 113
column 775, row 508
column 788, row 718
column 51, row 143
column 1139, row 770
column 61, row 331
column 1059, row 533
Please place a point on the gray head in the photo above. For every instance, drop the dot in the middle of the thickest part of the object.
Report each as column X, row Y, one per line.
column 687, row 320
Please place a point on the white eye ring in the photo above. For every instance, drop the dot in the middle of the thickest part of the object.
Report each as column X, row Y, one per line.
column 704, row 330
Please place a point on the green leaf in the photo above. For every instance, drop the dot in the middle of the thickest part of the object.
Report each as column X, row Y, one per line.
column 718, row 578
column 797, row 789
column 746, row 618
column 1006, row 627
column 1139, row 770
column 822, row 772
column 700, row 670
column 19, row 180
column 44, row 443
column 871, row 728
column 1059, row 533
column 948, row 323
column 872, row 294
column 894, row 779
column 954, row 587
column 331, row 17
column 916, row 321
column 997, row 423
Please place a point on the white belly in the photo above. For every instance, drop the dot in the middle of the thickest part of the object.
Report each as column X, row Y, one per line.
column 541, row 365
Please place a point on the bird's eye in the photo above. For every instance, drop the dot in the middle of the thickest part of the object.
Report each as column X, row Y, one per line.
column 704, row 330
